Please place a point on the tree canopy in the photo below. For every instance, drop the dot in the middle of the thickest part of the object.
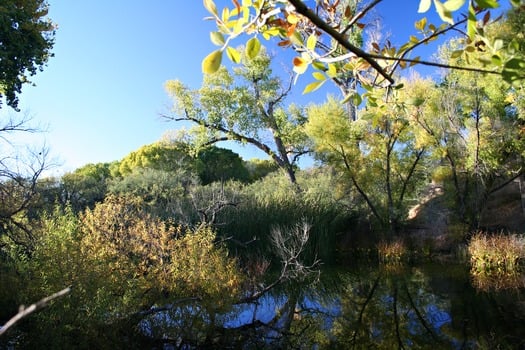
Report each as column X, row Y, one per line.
column 26, row 40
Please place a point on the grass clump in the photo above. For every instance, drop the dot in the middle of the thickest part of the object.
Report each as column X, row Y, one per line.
column 392, row 252
column 496, row 253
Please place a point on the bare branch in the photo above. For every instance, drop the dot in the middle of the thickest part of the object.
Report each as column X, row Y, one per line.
column 24, row 312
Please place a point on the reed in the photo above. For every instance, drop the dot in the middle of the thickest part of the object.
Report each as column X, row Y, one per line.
column 392, row 252
column 496, row 253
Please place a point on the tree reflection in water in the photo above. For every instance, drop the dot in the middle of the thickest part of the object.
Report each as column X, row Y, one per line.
column 429, row 306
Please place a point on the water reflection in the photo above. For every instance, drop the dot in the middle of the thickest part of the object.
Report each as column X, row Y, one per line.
column 419, row 307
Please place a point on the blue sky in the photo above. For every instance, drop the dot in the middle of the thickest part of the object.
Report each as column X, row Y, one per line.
column 101, row 95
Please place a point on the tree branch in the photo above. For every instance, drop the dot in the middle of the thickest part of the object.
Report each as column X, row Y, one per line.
column 32, row 308
column 302, row 9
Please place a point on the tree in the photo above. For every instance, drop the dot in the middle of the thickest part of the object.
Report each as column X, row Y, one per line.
column 85, row 186
column 19, row 173
column 165, row 156
column 246, row 107
column 26, row 40
column 378, row 153
column 220, row 164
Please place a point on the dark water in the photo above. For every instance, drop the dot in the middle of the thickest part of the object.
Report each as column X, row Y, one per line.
column 364, row 306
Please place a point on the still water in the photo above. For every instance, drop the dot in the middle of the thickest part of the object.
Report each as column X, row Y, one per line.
column 364, row 306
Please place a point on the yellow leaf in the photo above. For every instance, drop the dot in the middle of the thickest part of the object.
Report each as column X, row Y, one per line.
column 212, row 62
column 233, row 54
column 443, row 12
column 332, row 70
column 311, row 42
column 453, row 5
column 420, row 25
column 313, row 86
column 319, row 76
column 292, row 18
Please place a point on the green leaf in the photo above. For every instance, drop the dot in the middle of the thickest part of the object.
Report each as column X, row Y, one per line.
column 210, row 6
column 252, row 47
column 444, row 14
column 486, row 4
column 420, row 25
column 233, row 54
column 313, row 86
column 453, row 5
column 496, row 60
column 212, row 62
column 318, row 65
column 471, row 22
column 353, row 97
column 424, row 6
column 513, row 70
column 456, row 54
column 217, row 38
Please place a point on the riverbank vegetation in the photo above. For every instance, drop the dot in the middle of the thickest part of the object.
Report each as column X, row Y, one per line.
column 159, row 246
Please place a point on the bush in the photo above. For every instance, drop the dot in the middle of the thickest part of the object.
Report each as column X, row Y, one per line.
column 121, row 262
column 496, row 253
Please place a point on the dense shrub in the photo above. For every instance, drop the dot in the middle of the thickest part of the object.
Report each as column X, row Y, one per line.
column 496, row 253
column 120, row 262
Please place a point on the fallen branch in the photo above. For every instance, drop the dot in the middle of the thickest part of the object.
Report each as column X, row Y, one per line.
column 25, row 311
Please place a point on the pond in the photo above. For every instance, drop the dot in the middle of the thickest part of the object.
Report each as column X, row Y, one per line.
column 364, row 305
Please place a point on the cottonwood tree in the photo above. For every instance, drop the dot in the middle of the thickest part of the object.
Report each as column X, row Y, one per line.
column 26, row 40
column 246, row 106
column 377, row 154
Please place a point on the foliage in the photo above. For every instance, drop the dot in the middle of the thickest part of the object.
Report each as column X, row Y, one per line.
column 273, row 202
column 120, row 261
column 378, row 153
column 496, row 253
column 160, row 156
column 392, row 252
column 323, row 35
column 85, row 186
column 472, row 126
column 259, row 168
column 27, row 38
column 164, row 192
column 220, row 164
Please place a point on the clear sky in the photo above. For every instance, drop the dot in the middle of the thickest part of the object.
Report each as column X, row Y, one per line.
column 101, row 95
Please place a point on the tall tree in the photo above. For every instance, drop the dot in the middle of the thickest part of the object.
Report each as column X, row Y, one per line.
column 247, row 107
column 378, row 154
column 26, row 40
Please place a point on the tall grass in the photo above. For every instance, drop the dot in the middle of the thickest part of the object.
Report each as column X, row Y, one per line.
column 274, row 202
column 496, row 253
column 393, row 252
